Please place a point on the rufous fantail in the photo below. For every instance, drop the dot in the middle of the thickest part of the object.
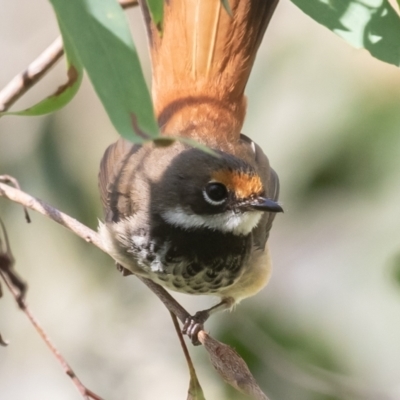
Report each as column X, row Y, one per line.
column 191, row 221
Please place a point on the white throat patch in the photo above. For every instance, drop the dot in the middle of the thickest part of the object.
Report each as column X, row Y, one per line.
column 227, row 222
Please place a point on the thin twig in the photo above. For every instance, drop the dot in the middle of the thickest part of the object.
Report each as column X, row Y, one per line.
column 35, row 71
column 86, row 393
column 195, row 391
column 172, row 305
column 182, row 342
column 40, row 206
column 128, row 3
column 9, row 179
column 7, row 262
column 20, row 84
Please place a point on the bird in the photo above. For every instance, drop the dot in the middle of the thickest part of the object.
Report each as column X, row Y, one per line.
column 196, row 221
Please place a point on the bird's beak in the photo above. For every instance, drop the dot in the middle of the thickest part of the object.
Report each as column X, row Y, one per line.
column 263, row 204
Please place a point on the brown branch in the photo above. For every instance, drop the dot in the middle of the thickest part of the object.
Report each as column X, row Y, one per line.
column 86, row 393
column 128, row 3
column 172, row 305
column 195, row 391
column 35, row 71
column 7, row 262
column 40, row 206
column 10, row 180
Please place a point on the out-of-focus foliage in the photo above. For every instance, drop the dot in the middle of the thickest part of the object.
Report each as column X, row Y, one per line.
column 373, row 25
column 364, row 153
column 280, row 354
column 395, row 265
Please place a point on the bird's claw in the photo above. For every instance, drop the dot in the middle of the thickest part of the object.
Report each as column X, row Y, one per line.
column 193, row 325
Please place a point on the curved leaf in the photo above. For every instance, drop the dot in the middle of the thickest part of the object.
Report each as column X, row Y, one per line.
column 371, row 24
column 227, row 7
column 100, row 33
column 156, row 8
column 231, row 367
column 64, row 94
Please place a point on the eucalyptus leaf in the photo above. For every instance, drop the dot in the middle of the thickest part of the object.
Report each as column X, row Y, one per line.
column 371, row 24
column 165, row 141
column 227, row 7
column 197, row 145
column 156, row 8
column 100, row 33
column 64, row 94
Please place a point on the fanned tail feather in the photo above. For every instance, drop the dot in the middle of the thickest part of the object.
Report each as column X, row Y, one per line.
column 201, row 63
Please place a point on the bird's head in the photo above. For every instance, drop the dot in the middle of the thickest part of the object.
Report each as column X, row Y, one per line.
column 225, row 194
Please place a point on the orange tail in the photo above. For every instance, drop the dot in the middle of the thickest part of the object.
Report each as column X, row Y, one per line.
column 201, row 64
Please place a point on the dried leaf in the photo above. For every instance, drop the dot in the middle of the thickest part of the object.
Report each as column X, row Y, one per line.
column 195, row 391
column 231, row 367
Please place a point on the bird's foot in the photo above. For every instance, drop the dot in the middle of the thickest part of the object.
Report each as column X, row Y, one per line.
column 193, row 325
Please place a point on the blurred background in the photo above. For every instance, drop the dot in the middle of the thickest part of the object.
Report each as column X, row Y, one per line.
column 327, row 327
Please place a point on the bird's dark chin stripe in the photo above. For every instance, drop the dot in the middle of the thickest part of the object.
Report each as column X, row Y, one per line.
column 196, row 261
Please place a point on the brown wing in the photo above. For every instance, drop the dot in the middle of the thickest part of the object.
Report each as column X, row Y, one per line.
column 114, row 182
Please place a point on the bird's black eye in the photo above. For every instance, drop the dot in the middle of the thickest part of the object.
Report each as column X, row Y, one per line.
column 215, row 193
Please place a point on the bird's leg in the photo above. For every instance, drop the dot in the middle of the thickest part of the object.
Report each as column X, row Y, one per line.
column 195, row 324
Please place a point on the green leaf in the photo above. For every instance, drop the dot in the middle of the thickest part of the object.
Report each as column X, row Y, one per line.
column 65, row 92
column 372, row 24
column 156, row 8
column 165, row 141
column 227, row 7
column 100, row 33
column 197, row 145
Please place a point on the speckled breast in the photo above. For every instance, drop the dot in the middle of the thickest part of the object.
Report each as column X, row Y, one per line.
column 196, row 262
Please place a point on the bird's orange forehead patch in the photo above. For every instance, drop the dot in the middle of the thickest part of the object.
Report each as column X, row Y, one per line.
column 242, row 184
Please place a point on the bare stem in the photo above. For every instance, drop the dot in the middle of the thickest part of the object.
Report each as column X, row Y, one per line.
column 172, row 305
column 40, row 206
column 86, row 393
column 183, row 345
